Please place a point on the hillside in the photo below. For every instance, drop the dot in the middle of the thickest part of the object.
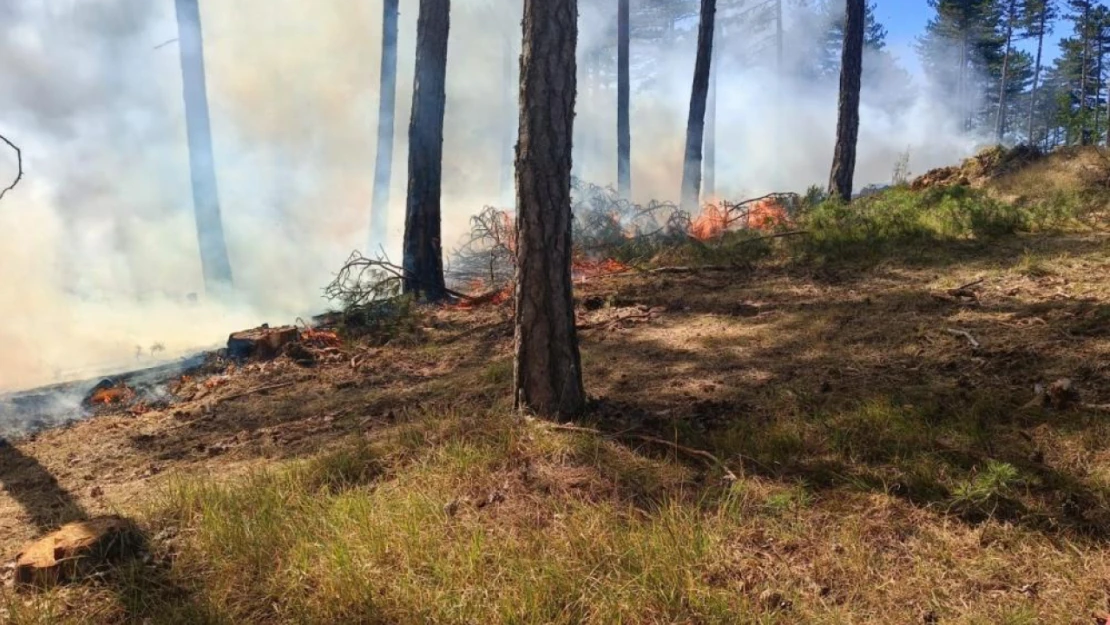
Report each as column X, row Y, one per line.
column 865, row 420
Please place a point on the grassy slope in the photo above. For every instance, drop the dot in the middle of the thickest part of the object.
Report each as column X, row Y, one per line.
column 886, row 471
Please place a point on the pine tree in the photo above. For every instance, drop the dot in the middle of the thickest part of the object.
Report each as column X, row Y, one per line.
column 695, row 123
column 847, row 132
column 423, row 251
column 1039, row 16
column 387, row 105
column 547, row 372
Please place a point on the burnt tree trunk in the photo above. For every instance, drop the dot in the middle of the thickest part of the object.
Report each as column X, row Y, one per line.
column 624, row 127
column 387, row 106
column 847, row 129
column 202, row 164
column 547, row 374
column 423, row 252
column 695, row 123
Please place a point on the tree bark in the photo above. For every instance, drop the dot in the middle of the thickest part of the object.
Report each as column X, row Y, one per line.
column 695, row 123
column 624, row 127
column 847, row 131
column 387, row 106
column 423, row 253
column 1000, row 120
column 1037, row 69
column 547, row 373
column 215, row 265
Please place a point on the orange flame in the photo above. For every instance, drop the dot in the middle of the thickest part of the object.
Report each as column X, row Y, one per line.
column 711, row 223
column 583, row 269
column 111, row 395
column 766, row 214
column 321, row 338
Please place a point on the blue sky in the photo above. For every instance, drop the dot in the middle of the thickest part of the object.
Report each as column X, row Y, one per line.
column 905, row 20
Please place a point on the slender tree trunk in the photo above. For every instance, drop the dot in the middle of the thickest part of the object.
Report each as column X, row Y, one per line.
column 202, row 164
column 1083, row 136
column 387, row 106
column 624, row 126
column 423, row 253
column 695, row 123
column 547, row 375
column 1000, row 119
column 1037, row 68
column 847, row 131
column 961, row 85
column 1098, row 94
column 510, row 108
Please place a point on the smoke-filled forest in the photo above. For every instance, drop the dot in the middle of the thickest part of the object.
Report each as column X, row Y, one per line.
column 554, row 311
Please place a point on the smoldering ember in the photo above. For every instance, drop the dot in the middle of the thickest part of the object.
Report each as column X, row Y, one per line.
column 554, row 311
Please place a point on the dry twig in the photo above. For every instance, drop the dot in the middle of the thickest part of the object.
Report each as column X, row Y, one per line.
column 700, row 453
column 967, row 335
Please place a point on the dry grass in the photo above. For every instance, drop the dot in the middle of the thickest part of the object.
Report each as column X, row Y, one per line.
column 887, row 472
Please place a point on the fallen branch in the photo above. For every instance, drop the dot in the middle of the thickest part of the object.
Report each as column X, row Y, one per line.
column 19, row 165
column 967, row 335
column 700, row 453
column 611, row 322
column 253, row 391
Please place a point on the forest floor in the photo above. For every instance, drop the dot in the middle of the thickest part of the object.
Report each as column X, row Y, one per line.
column 786, row 442
column 886, row 469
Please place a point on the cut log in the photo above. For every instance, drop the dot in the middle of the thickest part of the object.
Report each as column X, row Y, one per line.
column 76, row 550
column 263, row 343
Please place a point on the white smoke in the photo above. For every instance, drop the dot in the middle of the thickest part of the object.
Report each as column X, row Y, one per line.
column 100, row 251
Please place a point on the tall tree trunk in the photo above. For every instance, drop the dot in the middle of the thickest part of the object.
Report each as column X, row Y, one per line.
column 1098, row 93
column 709, row 168
column 624, row 87
column 202, row 165
column 1037, row 68
column 961, row 84
column 1083, row 136
column 547, row 374
column 423, row 253
column 510, row 108
column 695, row 123
column 387, row 106
column 1000, row 119
column 847, row 130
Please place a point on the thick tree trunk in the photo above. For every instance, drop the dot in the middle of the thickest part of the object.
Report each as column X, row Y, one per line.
column 695, row 123
column 624, row 127
column 423, row 253
column 1000, row 119
column 547, row 375
column 1037, row 69
column 202, row 165
column 847, row 131
column 387, row 106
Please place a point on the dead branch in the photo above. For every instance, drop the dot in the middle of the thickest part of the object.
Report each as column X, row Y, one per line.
column 967, row 335
column 253, row 391
column 19, row 166
column 705, row 455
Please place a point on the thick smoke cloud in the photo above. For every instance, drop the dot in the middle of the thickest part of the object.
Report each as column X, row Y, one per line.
column 99, row 243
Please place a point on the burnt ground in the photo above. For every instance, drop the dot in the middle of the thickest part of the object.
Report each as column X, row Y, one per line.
column 766, row 367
